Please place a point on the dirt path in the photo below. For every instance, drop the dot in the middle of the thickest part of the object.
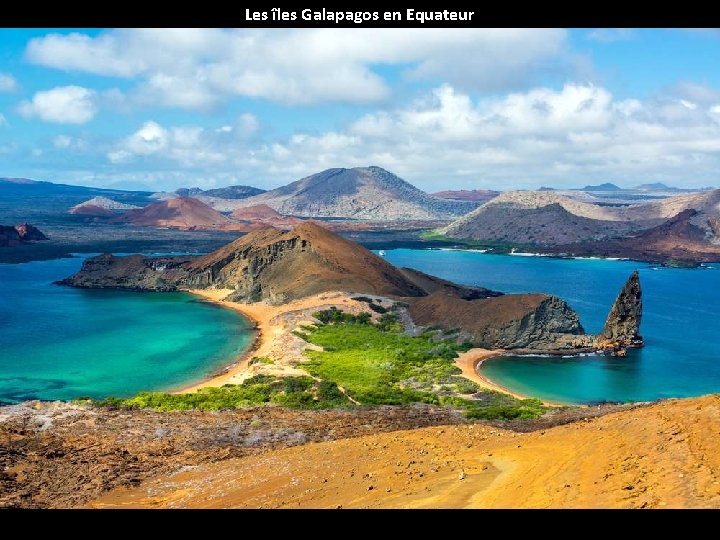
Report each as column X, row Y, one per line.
column 664, row 455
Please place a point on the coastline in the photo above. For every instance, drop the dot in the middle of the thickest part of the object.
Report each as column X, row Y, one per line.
column 470, row 361
column 273, row 326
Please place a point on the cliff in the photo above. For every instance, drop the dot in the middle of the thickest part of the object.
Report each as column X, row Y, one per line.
column 277, row 267
column 536, row 322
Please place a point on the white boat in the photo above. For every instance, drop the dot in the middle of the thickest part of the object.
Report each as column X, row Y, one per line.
column 381, row 252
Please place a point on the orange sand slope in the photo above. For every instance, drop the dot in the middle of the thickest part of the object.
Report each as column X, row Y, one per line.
column 663, row 455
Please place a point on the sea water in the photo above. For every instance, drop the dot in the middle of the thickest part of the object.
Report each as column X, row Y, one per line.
column 681, row 324
column 59, row 342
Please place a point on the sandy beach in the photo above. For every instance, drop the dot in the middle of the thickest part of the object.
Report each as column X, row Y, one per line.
column 469, row 362
column 274, row 340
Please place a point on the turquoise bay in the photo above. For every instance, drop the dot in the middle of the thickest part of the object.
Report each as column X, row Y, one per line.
column 62, row 343
column 680, row 324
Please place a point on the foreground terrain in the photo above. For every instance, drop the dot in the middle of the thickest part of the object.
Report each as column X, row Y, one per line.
column 64, row 455
column 663, row 455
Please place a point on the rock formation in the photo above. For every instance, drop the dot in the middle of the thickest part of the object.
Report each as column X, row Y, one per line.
column 623, row 323
column 277, row 267
column 19, row 234
column 29, row 233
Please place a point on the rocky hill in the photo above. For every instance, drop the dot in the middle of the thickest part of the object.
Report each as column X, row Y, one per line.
column 366, row 193
column 546, row 218
column 677, row 239
column 514, row 221
column 277, row 267
column 181, row 212
column 13, row 236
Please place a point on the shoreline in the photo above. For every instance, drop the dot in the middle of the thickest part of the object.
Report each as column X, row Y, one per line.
column 470, row 361
column 240, row 363
column 272, row 326
column 268, row 331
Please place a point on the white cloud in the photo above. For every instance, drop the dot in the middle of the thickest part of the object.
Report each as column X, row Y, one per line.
column 576, row 135
column 3, row 121
column 62, row 105
column 8, row 83
column 150, row 139
column 67, row 142
column 611, row 35
column 197, row 69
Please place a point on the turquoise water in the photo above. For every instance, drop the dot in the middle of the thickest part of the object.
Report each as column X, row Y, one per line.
column 62, row 343
column 681, row 324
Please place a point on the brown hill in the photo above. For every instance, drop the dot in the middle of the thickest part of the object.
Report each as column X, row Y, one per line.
column 256, row 212
column 546, row 218
column 552, row 224
column 512, row 321
column 277, row 267
column 678, row 238
column 180, row 212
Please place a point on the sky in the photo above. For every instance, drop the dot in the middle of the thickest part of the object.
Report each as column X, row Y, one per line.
column 454, row 108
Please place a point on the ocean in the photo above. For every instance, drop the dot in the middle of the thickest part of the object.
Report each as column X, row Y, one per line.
column 63, row 343
column 681, row 324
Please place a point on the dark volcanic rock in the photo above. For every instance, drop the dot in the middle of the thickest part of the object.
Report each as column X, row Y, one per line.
column 623, row 323
column 29, row 233
column 9, row 236
column 19, row 234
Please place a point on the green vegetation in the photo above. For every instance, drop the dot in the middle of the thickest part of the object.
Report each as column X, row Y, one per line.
column 681, row 263
column 296, row 392
column 260, row 360
column 361, row 363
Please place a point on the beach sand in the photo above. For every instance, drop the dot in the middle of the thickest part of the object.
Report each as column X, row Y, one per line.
column 469, row 361
column 274, row 339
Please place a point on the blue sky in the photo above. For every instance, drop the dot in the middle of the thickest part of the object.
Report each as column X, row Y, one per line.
column 442, row 108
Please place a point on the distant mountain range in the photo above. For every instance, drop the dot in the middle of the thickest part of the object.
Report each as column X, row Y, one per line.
column 229, row 192
column 538, row 217
column 476, row 195
column 366, row 193
column 686, row 225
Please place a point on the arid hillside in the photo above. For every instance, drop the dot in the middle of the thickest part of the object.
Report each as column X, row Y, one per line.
column 666, row 455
